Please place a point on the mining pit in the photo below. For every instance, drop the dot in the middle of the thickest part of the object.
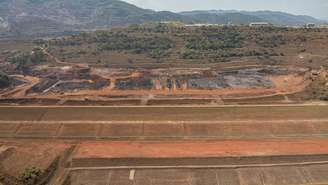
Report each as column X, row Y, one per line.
column 149, row 85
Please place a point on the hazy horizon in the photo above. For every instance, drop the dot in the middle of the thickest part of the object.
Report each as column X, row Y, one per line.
column 315, row 8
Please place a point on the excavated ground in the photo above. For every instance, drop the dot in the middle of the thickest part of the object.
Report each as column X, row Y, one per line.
column 94, row 86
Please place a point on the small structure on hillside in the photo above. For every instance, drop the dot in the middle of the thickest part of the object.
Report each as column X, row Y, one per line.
column 201, row 25
column 259, row 24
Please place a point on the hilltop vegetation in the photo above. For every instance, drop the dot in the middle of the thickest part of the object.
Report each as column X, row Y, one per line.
column 171, row 42
column 153, row 46
column 59, row 17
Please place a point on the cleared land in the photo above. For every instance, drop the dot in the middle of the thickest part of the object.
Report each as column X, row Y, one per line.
column 249, row 122
column 200, row 149
column 170, row 113
column 298, row 175
column 240, row 145
column 274, row 162
column 220, row 164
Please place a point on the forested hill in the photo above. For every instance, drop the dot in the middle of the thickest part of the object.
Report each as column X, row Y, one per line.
column 35, row 17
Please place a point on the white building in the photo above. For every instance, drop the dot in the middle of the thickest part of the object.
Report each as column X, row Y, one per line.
column 323, row 26
column 259, row 24
column 201, row 25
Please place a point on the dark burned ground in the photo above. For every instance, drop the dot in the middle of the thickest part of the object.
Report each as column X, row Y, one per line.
column 256, row 77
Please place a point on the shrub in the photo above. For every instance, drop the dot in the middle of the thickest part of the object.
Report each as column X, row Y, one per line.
column 31, row 176
column 191, row 54
column 4, row 80
column 271, row 41
column 216, row 41
column 158, row 53
column 119, row 42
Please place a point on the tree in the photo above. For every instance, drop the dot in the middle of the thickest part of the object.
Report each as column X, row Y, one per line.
column 24, row 61
column 31, row 176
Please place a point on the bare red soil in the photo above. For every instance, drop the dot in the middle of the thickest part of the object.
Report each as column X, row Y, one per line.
column 201, row 149
column 26, row 154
